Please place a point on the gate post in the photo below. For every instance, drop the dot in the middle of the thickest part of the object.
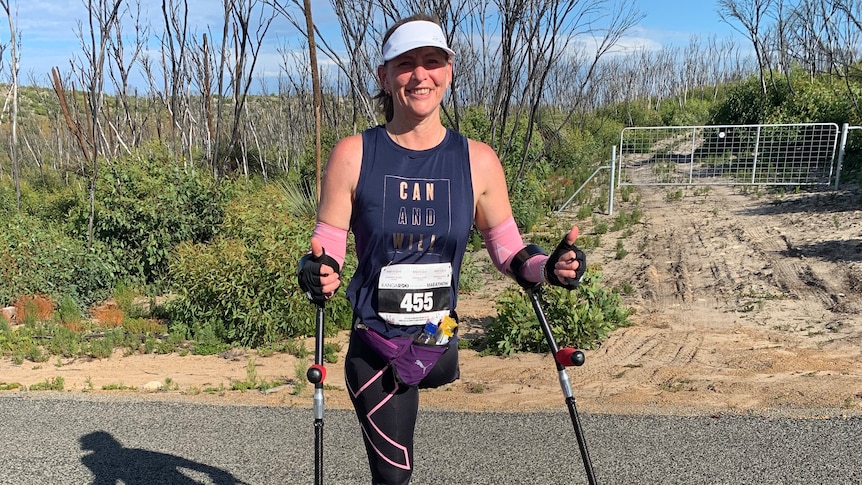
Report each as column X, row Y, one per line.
column 611, row 189
column 845, row 128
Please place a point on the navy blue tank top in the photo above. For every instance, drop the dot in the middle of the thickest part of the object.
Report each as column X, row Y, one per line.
column 412, row 207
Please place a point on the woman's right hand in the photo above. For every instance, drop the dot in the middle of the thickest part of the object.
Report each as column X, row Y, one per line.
column 319, row 274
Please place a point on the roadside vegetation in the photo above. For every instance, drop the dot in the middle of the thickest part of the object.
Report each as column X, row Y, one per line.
column 178, row 227
column 182, row 262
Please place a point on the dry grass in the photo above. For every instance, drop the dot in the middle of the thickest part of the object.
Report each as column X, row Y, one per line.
column 108, row 315
column 40, row 307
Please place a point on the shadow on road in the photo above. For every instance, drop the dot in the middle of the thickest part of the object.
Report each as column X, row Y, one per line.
column 111, row 462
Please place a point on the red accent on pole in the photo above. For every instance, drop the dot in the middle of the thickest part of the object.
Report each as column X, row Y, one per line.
column 322, row 370
column 564, row 357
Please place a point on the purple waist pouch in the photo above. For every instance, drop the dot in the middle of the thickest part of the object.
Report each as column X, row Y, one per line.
column 410, row 360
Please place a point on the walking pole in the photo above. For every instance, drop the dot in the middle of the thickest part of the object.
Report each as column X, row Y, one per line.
column 563, row 358
column 316, row 375
column 310, row 283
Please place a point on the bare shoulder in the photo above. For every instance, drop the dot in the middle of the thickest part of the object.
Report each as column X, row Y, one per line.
column 346, row 154
column 484, row 162
column 489, row 186
column 482, row 156
column 339, row 182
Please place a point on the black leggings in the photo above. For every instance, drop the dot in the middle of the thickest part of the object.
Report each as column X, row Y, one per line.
column 387, row 409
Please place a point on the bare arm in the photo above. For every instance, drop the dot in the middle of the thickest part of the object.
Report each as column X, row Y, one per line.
column 489, row 187
column 336, row 206
column 339, row 183
column 493, row 208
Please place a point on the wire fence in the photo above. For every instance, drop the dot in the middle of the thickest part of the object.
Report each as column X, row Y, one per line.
column 779, row 154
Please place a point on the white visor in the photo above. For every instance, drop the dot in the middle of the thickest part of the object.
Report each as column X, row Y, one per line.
column 412, row 35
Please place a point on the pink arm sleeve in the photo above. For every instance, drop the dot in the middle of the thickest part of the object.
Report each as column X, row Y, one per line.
column 333, row 240
column 503, row 241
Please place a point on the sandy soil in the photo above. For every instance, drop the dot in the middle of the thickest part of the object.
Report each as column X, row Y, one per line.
column 744, row 304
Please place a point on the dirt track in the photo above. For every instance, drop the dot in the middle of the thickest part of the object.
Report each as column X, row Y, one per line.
column 744, row 303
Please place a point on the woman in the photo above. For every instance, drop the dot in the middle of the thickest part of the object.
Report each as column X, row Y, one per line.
column 410, row 190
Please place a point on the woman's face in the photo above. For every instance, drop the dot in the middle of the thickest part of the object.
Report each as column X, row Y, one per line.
column 417, row 81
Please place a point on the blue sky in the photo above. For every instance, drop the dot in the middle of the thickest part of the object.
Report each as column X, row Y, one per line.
column 674, row 22
column 49, row 29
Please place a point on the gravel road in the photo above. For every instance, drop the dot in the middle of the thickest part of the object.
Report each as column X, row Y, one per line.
column 59, row 439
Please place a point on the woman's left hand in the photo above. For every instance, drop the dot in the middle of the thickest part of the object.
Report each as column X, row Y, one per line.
column 567, row 264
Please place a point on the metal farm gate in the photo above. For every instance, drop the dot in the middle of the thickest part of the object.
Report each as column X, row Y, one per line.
column 780, row 154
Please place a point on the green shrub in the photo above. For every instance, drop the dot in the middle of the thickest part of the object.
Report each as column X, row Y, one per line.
column 625, row 219
column 743, row 104
column 476, row 124
column 145, row 205
column 573, row 154
column 63, row 342
column 694, row 112
column 38, row 258
column 620, row 250
column 815, row 100
column 600, row 227
column 470, row 279
column 528, row 196
column 529, row 192
column 582, row 318
column 631, row 113
column 52, row 384
column 575, row 151
column 241, row 287
column 69, row 313
column 44, row 196
column 7, row 337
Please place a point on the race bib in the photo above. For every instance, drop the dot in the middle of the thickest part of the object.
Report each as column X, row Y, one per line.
column 412, row 294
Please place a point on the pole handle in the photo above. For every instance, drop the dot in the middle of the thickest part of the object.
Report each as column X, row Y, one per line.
column 568, row 357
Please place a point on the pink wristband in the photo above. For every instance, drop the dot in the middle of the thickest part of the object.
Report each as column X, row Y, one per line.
column 534, row 268
column 333, row 240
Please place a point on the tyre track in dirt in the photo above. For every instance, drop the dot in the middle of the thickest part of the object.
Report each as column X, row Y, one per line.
column 731, row 312
column 648, row 354
column 809, row 269
column 785, row 278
